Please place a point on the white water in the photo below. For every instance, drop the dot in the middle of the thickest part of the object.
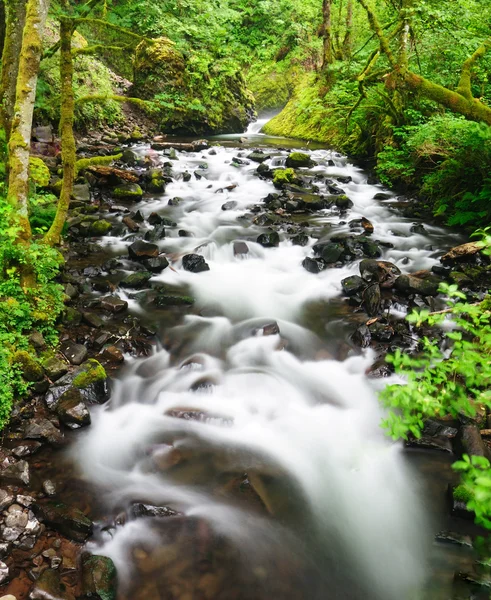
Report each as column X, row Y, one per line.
column 350, row 502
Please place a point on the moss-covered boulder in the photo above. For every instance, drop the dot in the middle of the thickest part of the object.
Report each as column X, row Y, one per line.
column 129, row 191
column 92, row 381
column 99, row 228
column 299, row 159
column 282, row 177
column 99, row 578
column 38, row 172
column 191, row 94
column 30, row 368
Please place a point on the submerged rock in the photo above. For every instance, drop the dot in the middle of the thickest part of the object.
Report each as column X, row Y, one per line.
column 352, row 285
column 372, row 299
column 140, row 250
column 269, row 240
column 72, row 410
column 68, row 520
column 99, row 578
column 409, row 284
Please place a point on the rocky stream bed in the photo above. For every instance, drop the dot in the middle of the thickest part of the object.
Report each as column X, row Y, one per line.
column 209, row 427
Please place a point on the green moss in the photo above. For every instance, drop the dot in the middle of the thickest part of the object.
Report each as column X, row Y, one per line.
column 38, row 171
column 130, row 190
column 90, row 372
column 100, row 227
column 298, row 159
column 84, row 163
column 283, row 176
column 462, row 494
column 31, row 370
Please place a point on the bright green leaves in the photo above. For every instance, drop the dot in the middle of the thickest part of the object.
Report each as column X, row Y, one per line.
column 476, row 479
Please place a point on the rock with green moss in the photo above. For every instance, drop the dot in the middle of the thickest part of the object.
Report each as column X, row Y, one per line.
column 29, row 367
column 54, row 368
column 92, row 381
column 99, row 578
column 282, row 177
column 99, row 228
column 128, row 191
column 299, row 159
column 71, row 317
column 38, row 172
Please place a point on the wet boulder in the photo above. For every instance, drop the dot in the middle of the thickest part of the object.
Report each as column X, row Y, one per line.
column 461, row 253
column 72, row 410
column 352, row 285
column 44, row 430
column 269, row 240
column 99, row 578
column 258, row 156
column 156, row 264
column 195, row 263
column 363, row 224
column 240, row 248
column 68, row 520
column 342, row 201
column 15, row 471
column 362, row 337
column 301, row 239
column 92, row 381
column 409, row 284
column 312, row 265
column 372, row 299
column 128, row 191
column 140, row 250
column 136, row 280
column 75, row 353
column 113, row 304
column 331, row 252
column 382, row 272
column 230, row 205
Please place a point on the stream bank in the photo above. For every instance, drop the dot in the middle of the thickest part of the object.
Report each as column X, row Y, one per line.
column 252, row 301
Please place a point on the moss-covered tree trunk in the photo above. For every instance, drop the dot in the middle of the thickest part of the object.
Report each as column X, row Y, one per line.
column 327, row 53
column 2, row 26
column 348, row 36
column 68, row 147
column 15, row 15
column 20, row 137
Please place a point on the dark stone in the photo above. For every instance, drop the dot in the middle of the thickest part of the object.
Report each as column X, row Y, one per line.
column 381, row 332
column 299, row 159
column 113, row 304
column 27, row 448
column 113, row 354
column 72, row 410
column 258, row 156
column 157, row 264
column 131, row 224
column 175, row 201
column 92, row 319
column 155, row 234
column 164, row 300
column 265, row 171
column 75, row 353
column 42, row 429
column 137, row 280
column 300, row 239
column 240, row 248
column 194, row 263
column 230, row 205
column 362, row 337
column 147, row 510
column 418, row 228
column 99, row 578
column 68, row 520
column 269, row 240
column 352, row 285
column 183, row 233
column 409, row 284
column 372, row 299
column 441, row 270
column 431, row 443
column 155, row 219
column 342, row 202
column 140, row 250
column 379, row 271
column 331, row 252
column 130, row 157
column 382, row 196
column 312, row 265
column 16, row 472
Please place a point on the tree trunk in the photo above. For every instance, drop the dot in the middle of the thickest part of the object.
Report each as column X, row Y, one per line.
column 15, row 15
column 20, row 137
column 2, row 26
column 327, row 56
column 348, row 36
column 68, row 147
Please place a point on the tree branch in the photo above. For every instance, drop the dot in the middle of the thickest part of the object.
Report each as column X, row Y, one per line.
column 379, row 32
column 104, row 98
column 97, row 48
column 108, row 25
column 464, row 87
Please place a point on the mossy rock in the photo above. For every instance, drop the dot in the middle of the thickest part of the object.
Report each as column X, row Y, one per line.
column 38, row 172
column 99, row 228
column 30, row 368
column 90, row 372
column 128, row 191
column 99, row 578
column 71, row 317
column 282, row 177
column 462, row 494
column 299, row 159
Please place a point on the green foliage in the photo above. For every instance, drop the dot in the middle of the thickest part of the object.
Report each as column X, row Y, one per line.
column 476, row 480
column 441, row 381
column 22, row 310
column 283, row 176
column 38, row 172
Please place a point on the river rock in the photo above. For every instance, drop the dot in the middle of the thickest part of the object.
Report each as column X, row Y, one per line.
column 362, row 337
column 299, row 159
column 92, row 319
column 131, row 224
column 15, row 471
column 195, row 263
column 4, row 573
column 409, row 284
column 72, row 410
column 128, row 191
column 49, row 587
column 68, row 520
column 240, row 248
column 301, row 239
column 157, row 264
column 140, row 250
column 382, row 272
column 342, row 201
column 147, row 510
column 352, row 285
column 6, row 499
column 99, row 578
column 372, row 299
column 54, row 368
column 113, row 304
column 269, row 240
column 136, row 280
column 258, row 156
column 230, row 205
column 81, row 193
column 331, row 252
column 462, row 252
column 130, row 157
column 155, row 219
column 75, row 353
column 312, row 265
column 42, row 429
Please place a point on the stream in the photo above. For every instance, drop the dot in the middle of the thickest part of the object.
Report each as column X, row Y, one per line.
column 244, row 459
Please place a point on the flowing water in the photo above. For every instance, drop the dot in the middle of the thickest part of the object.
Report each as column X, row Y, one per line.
column 283, row 484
